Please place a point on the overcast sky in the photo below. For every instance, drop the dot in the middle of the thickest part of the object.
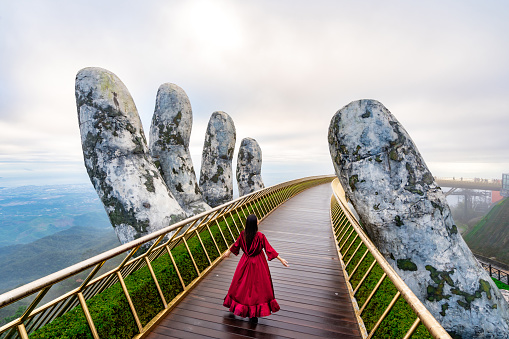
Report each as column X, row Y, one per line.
column 280, row 69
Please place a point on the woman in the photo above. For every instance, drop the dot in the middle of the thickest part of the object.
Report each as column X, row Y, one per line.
column 251, row 293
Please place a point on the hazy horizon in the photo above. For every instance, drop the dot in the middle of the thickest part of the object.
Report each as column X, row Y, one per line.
column 279, row 69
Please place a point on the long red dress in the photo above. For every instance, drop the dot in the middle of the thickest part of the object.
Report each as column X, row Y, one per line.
column 251, row 293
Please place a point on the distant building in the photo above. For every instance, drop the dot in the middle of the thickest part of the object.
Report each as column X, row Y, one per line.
column 496, row 196
column 505, row 185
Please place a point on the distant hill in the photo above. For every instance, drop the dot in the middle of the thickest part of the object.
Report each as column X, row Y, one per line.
column 490, row 237
column 22, row 264
column 28, row 213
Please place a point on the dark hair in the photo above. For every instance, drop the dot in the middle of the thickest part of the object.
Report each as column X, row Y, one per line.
column 250, row 230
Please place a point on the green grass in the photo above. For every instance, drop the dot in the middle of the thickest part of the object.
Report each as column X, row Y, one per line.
column 501, row 285
column 489, row 237
column 493, row 213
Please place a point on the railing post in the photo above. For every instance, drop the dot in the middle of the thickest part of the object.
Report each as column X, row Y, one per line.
column 129, row 301
column 88, row 316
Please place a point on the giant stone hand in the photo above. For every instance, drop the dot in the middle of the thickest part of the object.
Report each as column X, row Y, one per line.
column 133, row 192
column 407, row 217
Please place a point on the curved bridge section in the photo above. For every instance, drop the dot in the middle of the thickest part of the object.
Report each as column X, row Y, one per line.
column 122, row 293
column 336, row 278
column 312, row 292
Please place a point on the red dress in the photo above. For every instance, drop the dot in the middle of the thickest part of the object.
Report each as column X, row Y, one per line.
column 251, row 293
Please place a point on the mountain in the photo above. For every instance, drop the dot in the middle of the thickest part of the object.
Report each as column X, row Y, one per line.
column 22, row 264
column 29, row 213
column 490, row 236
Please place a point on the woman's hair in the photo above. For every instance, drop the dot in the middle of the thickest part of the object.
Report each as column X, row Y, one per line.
column 251, row 229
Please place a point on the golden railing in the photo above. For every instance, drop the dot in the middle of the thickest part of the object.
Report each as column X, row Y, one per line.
column 220, row 226
column 373, row 295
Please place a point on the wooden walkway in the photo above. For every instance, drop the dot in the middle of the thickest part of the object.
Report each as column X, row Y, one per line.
column 311, row 292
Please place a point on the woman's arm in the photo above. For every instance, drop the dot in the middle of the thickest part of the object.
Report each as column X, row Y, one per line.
column 283, row 261
column 234, row 248
column 227, row 253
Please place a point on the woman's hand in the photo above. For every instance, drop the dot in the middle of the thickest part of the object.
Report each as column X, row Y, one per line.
column 283, row 261
column 226, row 254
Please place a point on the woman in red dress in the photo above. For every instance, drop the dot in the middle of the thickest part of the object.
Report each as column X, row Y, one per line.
column 251, row 293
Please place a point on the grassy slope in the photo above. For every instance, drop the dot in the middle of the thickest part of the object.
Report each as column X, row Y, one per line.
column 32, row 261
column 490, row 237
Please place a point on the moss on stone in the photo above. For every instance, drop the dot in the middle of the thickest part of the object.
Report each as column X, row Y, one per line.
column 230, row 152
column 453, row 230
column 139, row 145
column 411, row 174
column 177, row 118
column 179, row 188
column 427, row 178
column 444, row 308
column 149, row 181
column 406, row 265
column 366, row 115
column 398, row 221
column 377, row 158
column 439, row 206
column 436, row 293
column 414, row 190
column 356, row 150
column 485, row 287
column 168, row 135
column 343, row 149
column 393, row 155
column 215, row 177
column 353, row 180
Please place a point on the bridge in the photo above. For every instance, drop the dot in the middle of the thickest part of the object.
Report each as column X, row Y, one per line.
column 470, row 183
column 337, row 285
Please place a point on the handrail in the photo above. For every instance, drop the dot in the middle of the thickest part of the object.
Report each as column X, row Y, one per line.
column 220, row 226
column 362, row 256
column 493, row 271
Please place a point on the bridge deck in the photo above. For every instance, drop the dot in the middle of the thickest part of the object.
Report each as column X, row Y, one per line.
column 311, row 292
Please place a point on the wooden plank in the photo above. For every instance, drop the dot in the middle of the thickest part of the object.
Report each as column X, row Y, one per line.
column 312, row 292
column 284, row 316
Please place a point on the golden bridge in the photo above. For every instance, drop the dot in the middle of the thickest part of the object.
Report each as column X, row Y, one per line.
column 337, row 286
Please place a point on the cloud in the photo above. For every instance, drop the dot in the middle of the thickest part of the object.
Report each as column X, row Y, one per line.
column 280, row 69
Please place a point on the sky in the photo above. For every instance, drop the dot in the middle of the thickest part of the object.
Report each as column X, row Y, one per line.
column 280, row 69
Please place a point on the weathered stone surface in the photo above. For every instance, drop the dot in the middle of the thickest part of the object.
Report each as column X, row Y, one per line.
column 408, row 218
column 216, row 178
column 116, row 157
column 169, row 146
column 249, row 167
